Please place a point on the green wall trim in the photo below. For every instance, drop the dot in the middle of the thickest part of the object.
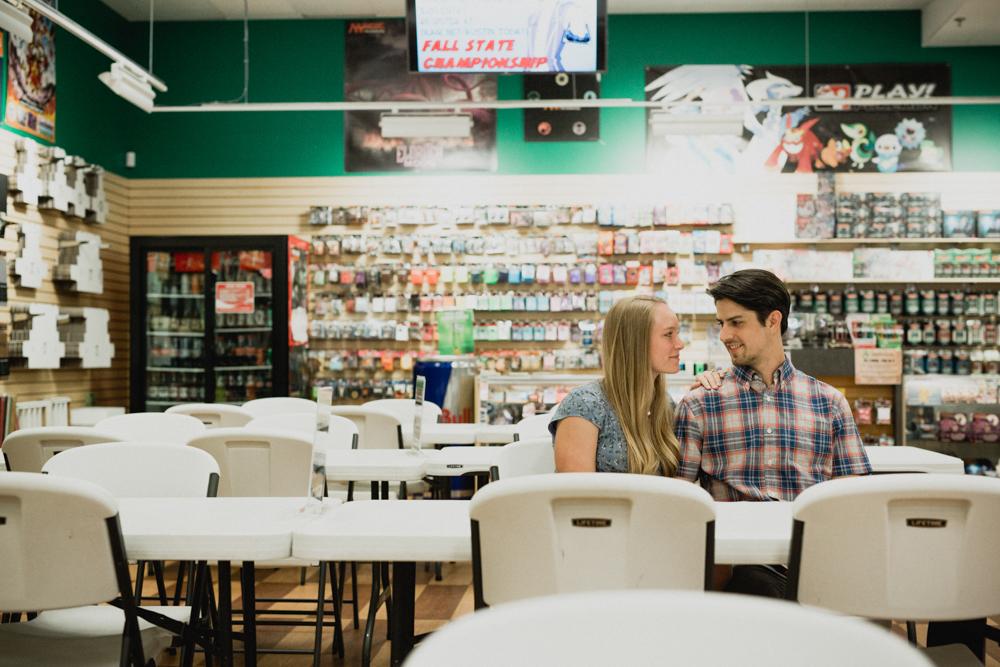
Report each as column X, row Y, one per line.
column 303, row 61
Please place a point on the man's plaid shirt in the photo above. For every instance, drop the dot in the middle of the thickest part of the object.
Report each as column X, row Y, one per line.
column 752, row 442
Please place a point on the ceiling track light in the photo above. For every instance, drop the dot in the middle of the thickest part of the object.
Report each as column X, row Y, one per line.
column 126, row 84
column 15, row 21
column 410, row 125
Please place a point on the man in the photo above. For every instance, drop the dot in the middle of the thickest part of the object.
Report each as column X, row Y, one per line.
column 768, row 431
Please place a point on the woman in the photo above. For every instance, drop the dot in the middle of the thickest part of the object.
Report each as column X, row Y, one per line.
column 624, row 422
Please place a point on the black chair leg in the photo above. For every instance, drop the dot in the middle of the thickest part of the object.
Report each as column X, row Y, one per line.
column 911, row 632
column 320, row 605
column 140, row 571
column 181, row 570
column 338, row 628
column 161, row 586
column 302, row 577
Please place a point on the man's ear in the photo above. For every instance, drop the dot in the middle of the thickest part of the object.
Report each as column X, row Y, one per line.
column 774, row 320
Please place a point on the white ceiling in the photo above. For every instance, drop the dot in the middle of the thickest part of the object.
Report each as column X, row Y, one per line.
column 217, row 10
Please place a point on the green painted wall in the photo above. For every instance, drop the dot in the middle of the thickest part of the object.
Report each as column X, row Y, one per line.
column 302, row 61
column 91, row 121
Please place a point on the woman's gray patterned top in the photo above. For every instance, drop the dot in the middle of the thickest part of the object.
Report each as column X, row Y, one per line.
column 589, row 402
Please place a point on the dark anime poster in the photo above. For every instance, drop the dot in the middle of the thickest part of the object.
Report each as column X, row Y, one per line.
column 375, row 69
column 840, row 136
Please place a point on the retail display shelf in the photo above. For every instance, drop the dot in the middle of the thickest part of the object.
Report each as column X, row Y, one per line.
column 167, row 403
column 243, row 329
column 189, row 334
column 242, row 368
column 171, row 369
column 882, row 281
column 958, row 407
column 852, row 241
column 174, row 296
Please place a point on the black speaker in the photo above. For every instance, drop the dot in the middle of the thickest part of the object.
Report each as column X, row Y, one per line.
column 562, row 124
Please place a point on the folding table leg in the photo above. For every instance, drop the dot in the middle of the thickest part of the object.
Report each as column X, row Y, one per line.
column 338, row 629
column 403, row 593
column 140, row 571
column 320, row 604
column 181, row 569
column 247, row 581
column 225, row 613
column 366, row 650
column 196, row 594
column 161, row 586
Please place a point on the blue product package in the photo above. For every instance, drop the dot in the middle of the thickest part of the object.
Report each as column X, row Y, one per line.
column 988, row 224
column 959, row 224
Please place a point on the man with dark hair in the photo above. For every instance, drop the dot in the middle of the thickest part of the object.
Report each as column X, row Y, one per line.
column 768, row 431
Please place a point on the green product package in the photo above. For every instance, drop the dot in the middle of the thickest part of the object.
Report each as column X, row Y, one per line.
column 455, row 335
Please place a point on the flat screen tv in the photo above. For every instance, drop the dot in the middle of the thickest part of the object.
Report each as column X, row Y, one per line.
column 512, row 36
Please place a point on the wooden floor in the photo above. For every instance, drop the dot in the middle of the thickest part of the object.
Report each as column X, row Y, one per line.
column 437, row 602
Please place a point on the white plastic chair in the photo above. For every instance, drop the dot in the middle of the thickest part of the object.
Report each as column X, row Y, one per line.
column 534, row 427
column 535, row 456
column 403, row 409
column 278, row 405
column 57, row 411
column 31, row 414
column 660, row 628
column 62, row 547
column 259, row 463
column 213, row 415
column 152, row 427
column 573, row 532
column 342, row 432
column 377, row 429
column 140, row 469
column 27, row 449
column 915, row 547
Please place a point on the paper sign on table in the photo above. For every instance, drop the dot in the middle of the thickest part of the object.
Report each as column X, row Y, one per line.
column 418, row 411
column 317, row 481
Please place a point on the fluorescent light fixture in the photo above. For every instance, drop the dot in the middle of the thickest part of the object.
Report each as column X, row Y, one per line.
column 406, row 125
column 130, row 86
column 665, row 123
column 15, row 21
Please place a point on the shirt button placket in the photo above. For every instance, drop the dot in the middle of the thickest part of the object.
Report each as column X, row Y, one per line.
column 769, row 422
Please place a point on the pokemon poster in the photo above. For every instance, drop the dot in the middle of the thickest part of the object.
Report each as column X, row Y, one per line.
column 375, row 69
column 31, row 81
column 838, row 137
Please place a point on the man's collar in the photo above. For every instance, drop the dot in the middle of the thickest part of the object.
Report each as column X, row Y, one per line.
column 745, row 375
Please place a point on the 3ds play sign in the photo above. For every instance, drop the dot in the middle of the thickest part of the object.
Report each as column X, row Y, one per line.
column 503, row 35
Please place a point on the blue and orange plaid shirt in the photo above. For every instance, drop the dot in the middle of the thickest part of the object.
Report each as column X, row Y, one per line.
column 747, row 441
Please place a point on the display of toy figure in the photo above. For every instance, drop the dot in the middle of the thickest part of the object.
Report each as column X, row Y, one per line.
column 861, row 144
column 887, row 150
column 910, row 132
column 798, row 145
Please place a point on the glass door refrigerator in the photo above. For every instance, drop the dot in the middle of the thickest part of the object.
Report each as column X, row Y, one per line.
column 210, row 320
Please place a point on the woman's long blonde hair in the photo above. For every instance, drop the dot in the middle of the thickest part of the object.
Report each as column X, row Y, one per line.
column 642, row 407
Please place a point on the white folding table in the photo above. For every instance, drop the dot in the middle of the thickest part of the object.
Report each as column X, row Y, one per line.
column 220, row 529
column 912, row 459
column 439, row 530
column 460, row 460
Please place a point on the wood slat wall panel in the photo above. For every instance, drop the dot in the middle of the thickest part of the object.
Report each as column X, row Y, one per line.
column 110, row 384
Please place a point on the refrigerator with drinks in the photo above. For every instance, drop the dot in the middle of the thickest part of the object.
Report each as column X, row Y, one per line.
column 211, row 320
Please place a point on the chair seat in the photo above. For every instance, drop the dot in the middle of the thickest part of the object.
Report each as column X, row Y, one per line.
column 952, row 655
column 82, row 637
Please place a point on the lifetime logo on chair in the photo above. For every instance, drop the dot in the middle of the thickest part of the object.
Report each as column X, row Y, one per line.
column 592, row 523
column 926, row 523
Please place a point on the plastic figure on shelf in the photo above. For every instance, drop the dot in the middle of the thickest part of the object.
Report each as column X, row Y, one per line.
column 930, row 154
column 799, row 145
column 862, row 142
column 835, row 153
column 887, row 149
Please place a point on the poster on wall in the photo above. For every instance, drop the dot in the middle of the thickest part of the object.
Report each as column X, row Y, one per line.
column 838, row 137
column 375, row 69
column 31, row 80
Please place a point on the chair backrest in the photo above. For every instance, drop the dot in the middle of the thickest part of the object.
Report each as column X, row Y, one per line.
column 27, row 449
column 140, row 469
column 403, row 409
column 660, row 627
column 153, row 427
column 534, row 427
column 54, row 546
column 214, row 415
column 343, row 433
column 915, row 547
column 536, row 456
column 376, row 429
column 259, row 463
column 278, row 405
column 550, row 534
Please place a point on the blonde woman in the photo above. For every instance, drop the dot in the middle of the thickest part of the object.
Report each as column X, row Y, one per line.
column 624, row 422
